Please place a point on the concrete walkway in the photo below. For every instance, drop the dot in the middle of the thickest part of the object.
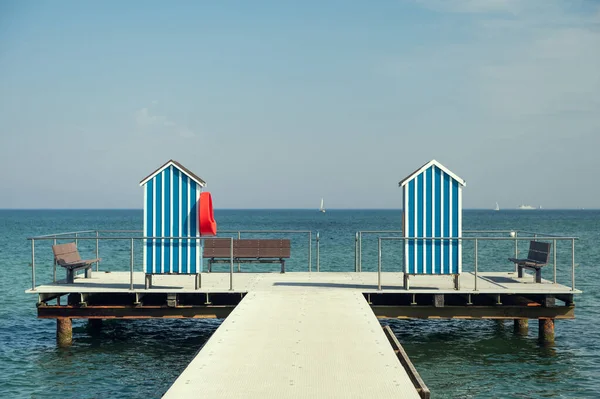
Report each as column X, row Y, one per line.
column 297, row 343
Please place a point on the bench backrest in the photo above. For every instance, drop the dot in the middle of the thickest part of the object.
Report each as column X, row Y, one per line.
column 247, row 248
column 66, row 253
column 539, row 251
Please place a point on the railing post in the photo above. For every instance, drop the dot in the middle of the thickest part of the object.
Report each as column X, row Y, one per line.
column 360, row 251
column 318, row 260
column 516, row 249
column 97, row 247
column 32, row 264
column 310, row 251
column 356, row 252
column 231, row 264
column 76, row 235
column 572, row 264
column 239, row 264
column 54, row 266
column 554, row 261
column 402, row 242
column 131, row 268
column 476, row 264
column 379, row 264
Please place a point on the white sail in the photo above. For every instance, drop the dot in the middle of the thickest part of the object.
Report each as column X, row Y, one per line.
column 322, row 209
column 497, row 207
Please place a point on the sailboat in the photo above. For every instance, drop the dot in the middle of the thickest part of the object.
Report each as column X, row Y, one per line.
column 497, row 208
column 321, row 209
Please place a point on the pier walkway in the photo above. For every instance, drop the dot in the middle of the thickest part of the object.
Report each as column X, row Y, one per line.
column 290, row 343
column 303, row 334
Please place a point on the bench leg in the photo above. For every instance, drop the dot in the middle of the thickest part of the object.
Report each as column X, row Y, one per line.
column 282, row 265
column 88, row 272
column 520, row 271
column 148, row 281
column 538, row 275
column 70, row 276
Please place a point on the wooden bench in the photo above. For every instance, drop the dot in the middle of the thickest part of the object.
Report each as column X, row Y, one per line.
column 67, row 256
column 537, row 257
column 218, row 250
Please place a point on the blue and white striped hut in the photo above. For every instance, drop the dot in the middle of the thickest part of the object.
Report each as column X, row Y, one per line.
column 432, row 207
column 171, row 195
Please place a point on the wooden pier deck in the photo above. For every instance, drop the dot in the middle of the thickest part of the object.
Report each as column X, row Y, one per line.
column 500, row 295
column 289, row 343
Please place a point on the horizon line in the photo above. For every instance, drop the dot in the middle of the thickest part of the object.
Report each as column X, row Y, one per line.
column 293, row 209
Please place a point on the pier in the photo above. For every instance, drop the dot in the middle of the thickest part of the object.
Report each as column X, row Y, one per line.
column 290, row 334
column 286, row 334
column 303, row 332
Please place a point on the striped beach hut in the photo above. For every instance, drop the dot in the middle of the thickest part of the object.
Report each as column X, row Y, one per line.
column 171, row 195
column 432, row 207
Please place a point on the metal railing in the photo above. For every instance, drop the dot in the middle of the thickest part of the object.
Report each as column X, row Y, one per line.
column 308, row 232
column 94, row 235
column 359, row 235
column 358, row 245
column 476, row 241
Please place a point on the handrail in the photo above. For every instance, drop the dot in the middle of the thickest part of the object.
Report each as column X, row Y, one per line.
column 309, row 232
column 75, row 235
column 542, row 234
column 61, row 234
column 513, row 233
column 239, row 232
column 476, row 241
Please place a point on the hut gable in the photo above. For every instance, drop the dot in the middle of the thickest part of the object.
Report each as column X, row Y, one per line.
column 177, row 165
column 429, row 164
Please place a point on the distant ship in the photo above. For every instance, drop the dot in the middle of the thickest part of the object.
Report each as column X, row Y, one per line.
column 322, row 209
column 526, row 207
column 497, row 208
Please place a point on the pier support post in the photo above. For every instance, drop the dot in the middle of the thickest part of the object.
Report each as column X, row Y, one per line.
column 64, row 331
column 546, row 332
column 521, row 326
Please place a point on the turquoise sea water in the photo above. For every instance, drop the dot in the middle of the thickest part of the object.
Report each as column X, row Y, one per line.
column 140, row 359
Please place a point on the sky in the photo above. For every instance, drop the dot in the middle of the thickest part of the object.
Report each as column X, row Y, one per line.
column 276, row 104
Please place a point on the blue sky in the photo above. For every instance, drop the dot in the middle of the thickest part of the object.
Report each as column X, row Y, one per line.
column 277, row 104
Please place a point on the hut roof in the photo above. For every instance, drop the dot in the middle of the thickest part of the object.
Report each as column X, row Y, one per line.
column 427, row 166
column 179, row 166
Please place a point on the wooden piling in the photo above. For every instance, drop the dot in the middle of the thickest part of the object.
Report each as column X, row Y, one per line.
column 546, row 331
column 521, row 326
column 64, row 331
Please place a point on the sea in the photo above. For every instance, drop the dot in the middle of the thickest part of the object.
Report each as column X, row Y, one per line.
column 142, row 358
